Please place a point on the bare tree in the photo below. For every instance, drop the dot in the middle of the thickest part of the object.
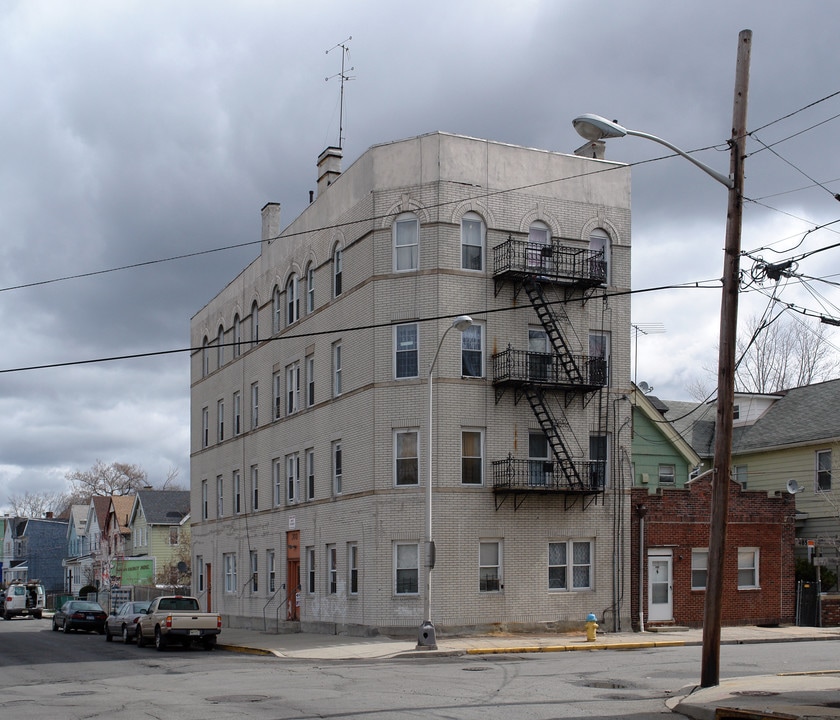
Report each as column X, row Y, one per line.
column 36, row 504
column 784, row 354
column 101, row 479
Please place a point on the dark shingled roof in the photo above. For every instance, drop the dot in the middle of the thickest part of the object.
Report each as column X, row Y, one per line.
column 164, row 507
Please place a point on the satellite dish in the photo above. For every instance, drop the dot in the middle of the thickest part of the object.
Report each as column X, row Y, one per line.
column 793, row 487
column 182, row 567
column 644, row 387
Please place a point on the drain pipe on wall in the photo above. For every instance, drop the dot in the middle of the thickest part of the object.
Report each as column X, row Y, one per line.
column 642, row 510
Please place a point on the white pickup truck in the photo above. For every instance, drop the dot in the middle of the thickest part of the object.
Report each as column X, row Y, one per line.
column 173, row 619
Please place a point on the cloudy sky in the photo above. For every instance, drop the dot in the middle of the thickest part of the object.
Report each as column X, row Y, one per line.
column 135, row 132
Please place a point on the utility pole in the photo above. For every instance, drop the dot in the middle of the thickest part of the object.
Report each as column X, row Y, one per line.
column 710, row 674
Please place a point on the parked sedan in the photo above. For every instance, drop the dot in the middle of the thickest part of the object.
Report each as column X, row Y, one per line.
column 122, row 623
column 80, row 615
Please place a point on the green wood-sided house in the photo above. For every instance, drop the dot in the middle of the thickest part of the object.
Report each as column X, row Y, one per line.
column 159, row 523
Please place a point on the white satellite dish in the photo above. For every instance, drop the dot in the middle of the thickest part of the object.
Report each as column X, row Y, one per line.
column 794, row 487
column 644, row 387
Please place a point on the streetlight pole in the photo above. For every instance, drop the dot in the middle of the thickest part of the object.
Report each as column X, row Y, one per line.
column 426, row 639
column 593, row 127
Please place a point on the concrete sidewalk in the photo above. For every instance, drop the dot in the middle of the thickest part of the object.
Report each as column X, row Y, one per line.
column 783, row 696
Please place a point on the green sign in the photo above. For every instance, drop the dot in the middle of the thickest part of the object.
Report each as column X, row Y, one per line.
column 133, row 571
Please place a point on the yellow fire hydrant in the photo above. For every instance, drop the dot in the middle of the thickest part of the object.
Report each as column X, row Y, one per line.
column 591, row 627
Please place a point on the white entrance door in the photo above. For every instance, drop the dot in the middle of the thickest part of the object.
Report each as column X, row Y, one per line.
column 660, row 586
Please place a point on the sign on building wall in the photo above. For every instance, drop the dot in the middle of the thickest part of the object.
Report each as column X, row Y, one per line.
column 132, row 571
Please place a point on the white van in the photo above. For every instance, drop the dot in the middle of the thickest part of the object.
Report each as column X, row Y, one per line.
column 23, row 598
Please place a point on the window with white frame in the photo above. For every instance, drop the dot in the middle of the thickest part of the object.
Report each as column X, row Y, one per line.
column 472, row 457
column 667, row 474
column 747, row 568
column 405, row 457
column 823, row 476
column 739, row 475
column 220, row 415
column 490, row 566
column 338, row 262
column 237, row 336
column 255, row 488
column 472, row 242
column 276, row 310
column 352, row 569
column 406, row 242
column 310, row 288
column 205, row 501
column 336, row 368
column 599, row 358
column 310, row 380
column 277, row 388
column 237, row 413
column 405, row 351
column 472, row 351
column 599, row 244
column 570, row 565
column 539, row 246
column 699, row 568
column 598, row 465
column 255, row 585
column 220, row 346
column 292, row 300
column 237, row 492
column 310, row 570
column 271, row 570
column 292, row 388
column 338, row 470
column 229, row 563
column 255, row 406
column 255, row 323
column 332, row 570
column 205, row 427
column 220, row 496
column 277, row 477
column 292, row 478
column 310, row 474
column 540, row 470
column 205, row 358
column 200, row 581
column 406, row 569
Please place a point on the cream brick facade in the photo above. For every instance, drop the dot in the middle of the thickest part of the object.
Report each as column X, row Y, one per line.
column 438, row 178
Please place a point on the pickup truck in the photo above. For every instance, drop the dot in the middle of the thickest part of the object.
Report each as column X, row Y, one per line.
column 178, row 619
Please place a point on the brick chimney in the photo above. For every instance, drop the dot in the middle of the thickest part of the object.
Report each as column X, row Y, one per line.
column 329, row 167
column 270, row 221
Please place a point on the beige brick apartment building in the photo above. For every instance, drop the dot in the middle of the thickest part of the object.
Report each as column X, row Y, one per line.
column 310, row 410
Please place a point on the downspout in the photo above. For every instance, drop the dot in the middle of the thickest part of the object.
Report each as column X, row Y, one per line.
column 642, row 510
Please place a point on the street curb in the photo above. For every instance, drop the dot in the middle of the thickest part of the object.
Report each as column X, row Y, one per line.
column 573, row 648
column 246, row 650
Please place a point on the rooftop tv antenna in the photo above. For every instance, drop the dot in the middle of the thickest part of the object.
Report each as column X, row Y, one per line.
column 345, row 58
column 654, row 328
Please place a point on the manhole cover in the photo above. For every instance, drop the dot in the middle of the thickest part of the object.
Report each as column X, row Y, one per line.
column 755, row 693
column 237, row 698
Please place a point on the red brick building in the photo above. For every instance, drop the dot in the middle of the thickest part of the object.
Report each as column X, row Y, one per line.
column 668, row 580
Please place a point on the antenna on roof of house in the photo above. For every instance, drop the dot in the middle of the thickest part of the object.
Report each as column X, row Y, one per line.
column 345, row 55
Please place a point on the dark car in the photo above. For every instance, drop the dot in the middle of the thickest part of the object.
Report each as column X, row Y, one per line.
column 122, row 623
column 80, row 615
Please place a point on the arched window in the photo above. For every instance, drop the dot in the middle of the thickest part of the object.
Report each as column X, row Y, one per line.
column 255, row 323
column 337, row 271
column 220, row 346
column 292, row 301
column 406, row 231
column 205, row 358
column 276, row 310
column 539, row 246
column 237, row 336
column 599, row 245
column 472, row 242
column 310, row 288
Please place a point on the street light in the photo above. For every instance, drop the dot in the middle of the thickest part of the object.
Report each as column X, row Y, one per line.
column 594, row 127
column 426, row 637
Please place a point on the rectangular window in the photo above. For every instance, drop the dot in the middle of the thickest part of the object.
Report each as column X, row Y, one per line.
column 405, row 457
column 823, row 480
column 310, row 289
column 336, row 363
column 332, row 570
column 472, row 243
column 472, row 461
column 310, row 474
column 220, row 414
column 254, row 572
column 292, row 388
column 699, row 568
column 406, row 234
column 338, row 270
column 310, row 381
column 292, row 478
column 204, row 501
column 199, row 564
column 272, row 571
column 490, row 566
column 406, row 569
column 353, row 568
column 277, row 477
column 338, row 472
column 747, row 568
column 540, row 470
column 255, row 406
column 229, row 560
column 472, row 351
column 255, row 488
column 237, row 492
column 237, row 413
column 598, row 462
column 561, row 571
column 292, row 301
column 205, row 427
column 220, row 496
column 739, row 475
column 667, row 474
column 405, row 351
column 277, row 385
column 310, row 570
column 599, row 358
